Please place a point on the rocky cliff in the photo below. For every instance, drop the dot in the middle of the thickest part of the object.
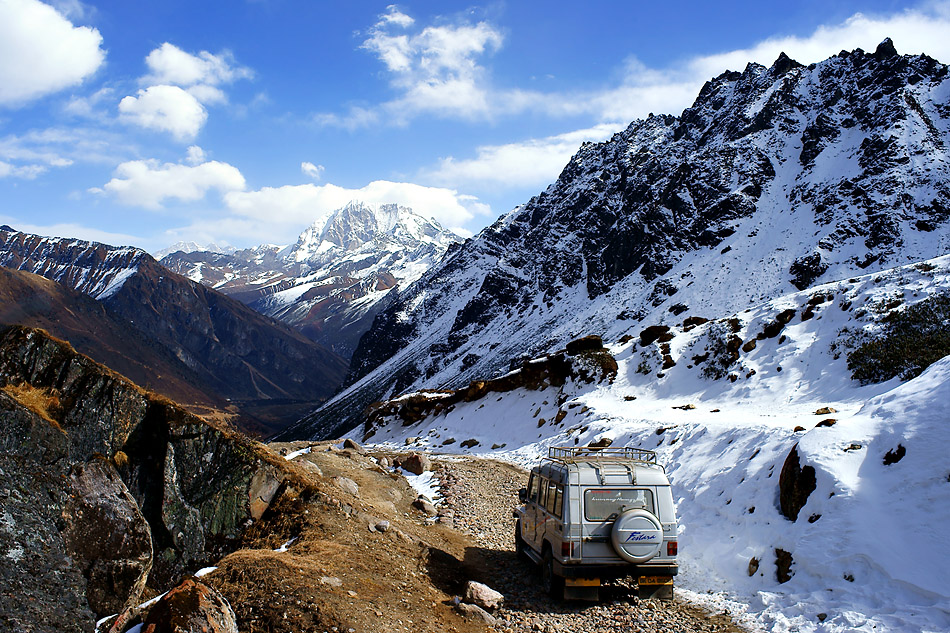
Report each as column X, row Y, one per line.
column 105, row 487
column 774, row 180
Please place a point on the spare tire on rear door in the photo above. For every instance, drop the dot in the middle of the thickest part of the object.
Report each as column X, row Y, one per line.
column 637, row 536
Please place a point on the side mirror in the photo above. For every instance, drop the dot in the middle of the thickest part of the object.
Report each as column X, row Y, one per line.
column 523, row 495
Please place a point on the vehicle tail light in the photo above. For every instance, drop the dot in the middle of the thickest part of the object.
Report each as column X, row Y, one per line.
column 567, row 549
column 671, row 547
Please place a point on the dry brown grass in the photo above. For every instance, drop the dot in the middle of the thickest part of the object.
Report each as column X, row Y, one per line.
column 43, row 402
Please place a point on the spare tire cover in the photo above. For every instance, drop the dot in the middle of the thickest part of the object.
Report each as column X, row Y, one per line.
column 637, row 536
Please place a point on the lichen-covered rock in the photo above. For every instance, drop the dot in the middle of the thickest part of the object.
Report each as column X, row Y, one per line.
column 191, row 607
column 78, row 470
column 106, row 536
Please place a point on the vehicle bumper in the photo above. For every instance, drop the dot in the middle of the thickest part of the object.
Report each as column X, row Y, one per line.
column 612, row 571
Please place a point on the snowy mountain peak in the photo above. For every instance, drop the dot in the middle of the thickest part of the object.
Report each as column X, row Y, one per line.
column 193, row 247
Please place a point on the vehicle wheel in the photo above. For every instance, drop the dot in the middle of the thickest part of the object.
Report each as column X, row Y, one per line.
column 552, row 584
column 519, row 542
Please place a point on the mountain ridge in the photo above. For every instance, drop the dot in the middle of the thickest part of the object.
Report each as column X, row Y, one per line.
column 773, row 180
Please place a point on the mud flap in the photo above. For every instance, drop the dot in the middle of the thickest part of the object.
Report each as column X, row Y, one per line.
column 657, row 587
column 582, row 589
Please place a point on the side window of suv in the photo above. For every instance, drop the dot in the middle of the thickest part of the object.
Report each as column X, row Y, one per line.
column 553, row 499
column 533, row 487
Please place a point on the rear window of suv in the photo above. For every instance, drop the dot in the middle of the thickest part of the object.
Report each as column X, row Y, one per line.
column 601, row 504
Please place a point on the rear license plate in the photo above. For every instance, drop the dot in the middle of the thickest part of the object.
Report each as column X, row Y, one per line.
column 582, row 582
column 656, row 580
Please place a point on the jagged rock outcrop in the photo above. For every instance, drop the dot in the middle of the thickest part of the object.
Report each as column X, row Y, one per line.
column 774, row 179
column 219, row 345
column 95, row 474
column 333, row 281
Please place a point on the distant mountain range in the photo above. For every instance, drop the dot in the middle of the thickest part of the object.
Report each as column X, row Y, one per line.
column 179, row 337
column 330, row 284
column 776, row 179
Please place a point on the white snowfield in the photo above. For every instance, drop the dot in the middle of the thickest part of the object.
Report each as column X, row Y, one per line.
column 870, row 547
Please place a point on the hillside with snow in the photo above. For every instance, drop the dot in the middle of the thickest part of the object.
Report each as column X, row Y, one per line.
column 867, row 543
column 776, row 179
column 330, row 284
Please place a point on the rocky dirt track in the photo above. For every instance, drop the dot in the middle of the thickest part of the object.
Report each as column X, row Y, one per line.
column 482, row 494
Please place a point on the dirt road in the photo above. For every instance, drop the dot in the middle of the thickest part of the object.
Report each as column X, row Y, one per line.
column 482, row 494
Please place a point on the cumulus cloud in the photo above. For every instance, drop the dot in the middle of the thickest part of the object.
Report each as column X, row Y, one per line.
column 41, row 52
column 280, row 212
column 312, row 171
column 180, row 85
column 194, row 155
column 439, row 69
column 171, row 65
column 435, row 69
column 165, row 108
column 149, row 183
column 534, row 162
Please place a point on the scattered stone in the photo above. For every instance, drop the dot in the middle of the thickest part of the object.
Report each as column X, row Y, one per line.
column 331, row 581
column 822, row 617
column 347, row 484
column 853, row 447
column 475, row 612
column 483, row 595
column 629, row 398
column 685, row 407
column 603, row 442
column 411, row 440
column 495, row 447
column 192, row 606
column 416, row 463
column 424, row 505
column 753, row 566
column 826, row 423
column 469, row 443
column 384, row 462
column 798, row 429
column 382, row 526
column 894, row 456
column 783, row 565
column 351, row 445
column 826, row 411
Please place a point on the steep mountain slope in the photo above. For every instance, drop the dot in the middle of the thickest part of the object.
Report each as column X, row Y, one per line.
column 92, row 328
column 335, row 278
column 807, row 500
column 774, row 180
column 263, row 367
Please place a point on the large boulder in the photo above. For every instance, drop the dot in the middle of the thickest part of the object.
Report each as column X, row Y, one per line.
column 795, row 483
column 416, row 463
column 191, row 607
column 107, row 537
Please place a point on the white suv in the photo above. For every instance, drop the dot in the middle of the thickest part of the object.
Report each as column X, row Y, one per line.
column 591, row 514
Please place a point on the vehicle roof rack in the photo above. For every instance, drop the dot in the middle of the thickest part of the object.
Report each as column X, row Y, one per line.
column 573, row 454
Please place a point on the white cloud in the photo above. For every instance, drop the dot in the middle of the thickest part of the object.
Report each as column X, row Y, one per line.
column 26, row 172
column 148, row 183
column 535, row 162
column 72, row 230
column 171, row 65
column 194, row 155
column 60, row 147
column 436, row 69
column 165, row 108
column 314, row 172
column 280, row 212
column 41, row 52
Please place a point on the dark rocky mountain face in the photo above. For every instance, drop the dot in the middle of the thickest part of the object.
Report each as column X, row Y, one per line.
column 773, row 180
column 340, row 273
column 107, row 488
column 264, row 368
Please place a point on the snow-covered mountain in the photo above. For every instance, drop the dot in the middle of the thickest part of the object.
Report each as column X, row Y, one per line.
column 191, row 247
column 774, row 180
column 218, row 346
column 770, row 443
column 335, row 278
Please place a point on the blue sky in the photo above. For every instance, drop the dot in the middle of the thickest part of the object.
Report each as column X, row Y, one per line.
column 237, row 121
